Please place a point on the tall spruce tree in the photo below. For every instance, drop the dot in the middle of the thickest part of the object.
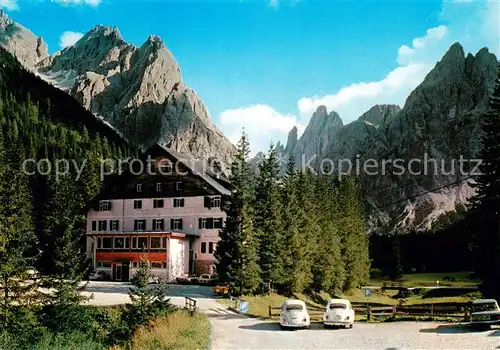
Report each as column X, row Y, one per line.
column 268, row 222
column 147, row 301
column 329, row 267
column 237, row 251
column 295, row 253
column 354, row 240
column 17, row 294
column 486, row 204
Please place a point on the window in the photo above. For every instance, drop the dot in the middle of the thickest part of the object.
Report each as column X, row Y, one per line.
column 138, row 187
column 139, row 225
column 104, row 206
column 211, row 248
column 204, row 185
column 138, row 204
column 202, row 223
column 94, row 225
column 159, row 187
column 103, row 225
column 215, row 202
column 104, row 243
column 176, row 224
column 203, row 247
column 135, row 264
column 155, row 243
column 157, row 203
column 158, row 224
column 178, row 185
column 212, row 202
column 114, row 225
column 101, row 264
column 210, row 223
column 218, row 223
column 178, row 202
column 120, row 243
column 156, row 265
column 140, row 243
column 164, row 264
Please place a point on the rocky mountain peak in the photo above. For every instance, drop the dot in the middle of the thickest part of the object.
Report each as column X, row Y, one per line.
column 292, row 140
column 454, row 53
column 21, row 42
column 380, row 114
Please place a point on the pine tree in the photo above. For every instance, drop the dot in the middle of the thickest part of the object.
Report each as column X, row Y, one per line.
column 268, row 224
column 329, row 267
column 237, row 251
column 64, row 257
column 486, row 204
column 295, row 253
column 354, row 240
column 17, row 238
column 397, row 270
column 147, row 301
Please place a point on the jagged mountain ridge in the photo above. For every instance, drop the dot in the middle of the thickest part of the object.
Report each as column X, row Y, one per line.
column 139, row 91
column 440, row 120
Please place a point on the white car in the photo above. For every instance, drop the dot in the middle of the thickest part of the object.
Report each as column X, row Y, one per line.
column 339, row 313
column 484, row 313
column 294, row 315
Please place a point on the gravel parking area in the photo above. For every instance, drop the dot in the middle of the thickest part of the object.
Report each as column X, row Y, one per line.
column 231, row 331
column 234, row 331
column 116, row 293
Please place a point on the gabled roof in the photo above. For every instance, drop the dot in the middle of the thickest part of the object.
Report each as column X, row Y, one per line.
column 199, row 168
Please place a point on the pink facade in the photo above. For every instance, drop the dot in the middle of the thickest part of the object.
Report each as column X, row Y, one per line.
column 173, row 220
column 193, row 210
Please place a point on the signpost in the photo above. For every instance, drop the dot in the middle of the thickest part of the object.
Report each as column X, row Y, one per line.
column 368, row 294
column 244, row 307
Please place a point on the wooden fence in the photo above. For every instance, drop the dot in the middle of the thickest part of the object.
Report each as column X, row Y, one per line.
column 190, row 305
column 459, row 311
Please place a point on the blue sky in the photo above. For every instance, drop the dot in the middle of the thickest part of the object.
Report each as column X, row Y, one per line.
column 266, row 65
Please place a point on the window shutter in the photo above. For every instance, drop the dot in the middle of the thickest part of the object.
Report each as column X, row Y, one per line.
column 105, row 225
column 210, row 223
column 180, row 224
column 94, row 225
column 117, row 225
column 171, row 224
column 207, row 202
column 182, row 202
column 199, row 223
column 135, row 224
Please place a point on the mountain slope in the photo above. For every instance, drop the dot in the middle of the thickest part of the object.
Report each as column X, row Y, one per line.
column 440, row 122
column 138, row 90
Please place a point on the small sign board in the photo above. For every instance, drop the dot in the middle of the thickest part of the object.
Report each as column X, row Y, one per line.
column 368, row 292
column 244, row 307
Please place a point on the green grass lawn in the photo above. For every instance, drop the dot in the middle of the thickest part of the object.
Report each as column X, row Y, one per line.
column 259, row 305
column 429, row 279
column 177, row 331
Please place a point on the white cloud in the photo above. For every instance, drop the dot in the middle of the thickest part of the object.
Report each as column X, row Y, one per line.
column 94, row 3
column 10, row 5
column 274, row 3
column 353, row 100
column 262, row 123
column 432, row 37
column 473, row 23
column 69, row 38
column 468, row 21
